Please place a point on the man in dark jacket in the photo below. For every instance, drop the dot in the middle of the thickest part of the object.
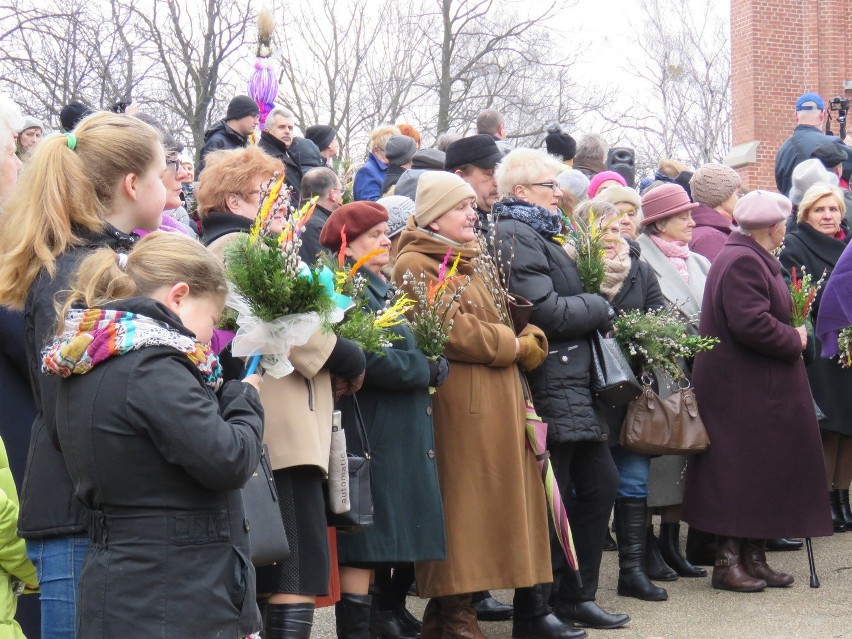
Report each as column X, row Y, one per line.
column 474, row 159
column 323, row 184
column 298, row 154
column 232, row 132
column 807, row 136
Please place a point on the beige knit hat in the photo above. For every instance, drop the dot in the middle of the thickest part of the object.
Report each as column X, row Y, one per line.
column 437, row 193
column 712, row 184
column 618, row 194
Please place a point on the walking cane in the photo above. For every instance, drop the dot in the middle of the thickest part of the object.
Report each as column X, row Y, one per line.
column 814, row 578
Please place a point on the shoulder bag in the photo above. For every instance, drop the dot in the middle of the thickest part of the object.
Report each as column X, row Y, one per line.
column 360, row 511
column 263, row 521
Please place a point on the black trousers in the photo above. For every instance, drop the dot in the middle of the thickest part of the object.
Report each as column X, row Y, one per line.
column 588, row 480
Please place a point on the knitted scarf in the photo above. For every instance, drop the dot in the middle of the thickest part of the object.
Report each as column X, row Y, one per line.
column 677, row 252
column 616, row 270
column 93, row 335
column 540, row 219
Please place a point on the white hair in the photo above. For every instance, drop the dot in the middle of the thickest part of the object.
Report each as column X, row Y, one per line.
column 280, row 112
column 11, row 119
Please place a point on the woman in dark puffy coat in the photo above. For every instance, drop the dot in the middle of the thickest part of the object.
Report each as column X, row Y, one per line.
column 629, row 284
column 540, row 269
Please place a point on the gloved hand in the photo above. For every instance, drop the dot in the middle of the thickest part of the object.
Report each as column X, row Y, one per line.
column 439, row 370
column 611, row 315
column 346, row 360
column 342, row 386
column 531, row 354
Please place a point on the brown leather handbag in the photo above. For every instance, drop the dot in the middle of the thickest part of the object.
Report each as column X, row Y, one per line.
column 670, row 426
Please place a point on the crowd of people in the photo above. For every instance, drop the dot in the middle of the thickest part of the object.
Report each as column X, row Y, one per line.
column 131, row 428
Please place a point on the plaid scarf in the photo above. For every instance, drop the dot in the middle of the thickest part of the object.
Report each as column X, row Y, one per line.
column 93, row 335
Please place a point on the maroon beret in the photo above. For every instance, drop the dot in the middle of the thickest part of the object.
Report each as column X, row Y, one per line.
column 357, row 217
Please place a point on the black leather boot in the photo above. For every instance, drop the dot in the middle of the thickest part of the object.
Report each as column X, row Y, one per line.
column 670, row 550
column 534, row 618
column 631, row 531
column 609, row 542
column 781, row 544
column 845, row 510
column 700, row 547
column 588, row 614
column 391, row 624
column 352, row 616
column 289, row 621
column 655, row 566
column 837, row 519
column 489, row 609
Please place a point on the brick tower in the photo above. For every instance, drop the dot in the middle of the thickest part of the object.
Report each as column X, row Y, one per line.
column 781, row 49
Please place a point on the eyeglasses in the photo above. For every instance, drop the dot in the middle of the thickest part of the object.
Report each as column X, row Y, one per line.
column 553, row 186
column 174, row 165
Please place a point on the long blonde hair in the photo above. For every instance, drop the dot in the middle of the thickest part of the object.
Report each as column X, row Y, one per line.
column 157, row 260
column 60, row 189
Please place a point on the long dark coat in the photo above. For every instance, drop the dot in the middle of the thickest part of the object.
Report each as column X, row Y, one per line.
column 397, row 411
column 763, row 475
column 830, row 382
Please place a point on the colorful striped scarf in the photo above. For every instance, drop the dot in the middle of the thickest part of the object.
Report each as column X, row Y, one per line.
column 93, row 335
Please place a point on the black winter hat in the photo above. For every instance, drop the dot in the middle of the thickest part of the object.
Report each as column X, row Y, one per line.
column 830, row 154
column 320, row 134
column 560, row 144
column 480, row 150
column 240, row 107
column 72, row 113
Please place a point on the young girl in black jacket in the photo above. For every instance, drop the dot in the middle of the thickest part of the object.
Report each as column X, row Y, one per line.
column 156, row 445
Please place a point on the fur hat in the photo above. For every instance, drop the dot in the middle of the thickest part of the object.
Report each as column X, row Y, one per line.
column 437, row 193
column 321, row 134
column 400, row 149
column 808, row 173
column 713, row 184
column 358, row 218
column 761, row 209
column 240, row 106
column 663, row 202
column 560, row 144
column 400, row 208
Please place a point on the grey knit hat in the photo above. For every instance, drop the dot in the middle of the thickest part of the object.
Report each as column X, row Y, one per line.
column 713, row 183
column 400, row 149
column 574, row 181
column 808, row 173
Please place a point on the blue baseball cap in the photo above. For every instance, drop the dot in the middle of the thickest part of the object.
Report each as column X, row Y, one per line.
column 809, row 102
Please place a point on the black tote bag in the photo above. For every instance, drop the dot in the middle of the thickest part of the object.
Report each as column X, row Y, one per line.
column 613, row 381
column 263, row 521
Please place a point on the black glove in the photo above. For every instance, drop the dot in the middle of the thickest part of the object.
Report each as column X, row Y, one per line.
column 611, row 315
column 347, row 360
column 439, row 369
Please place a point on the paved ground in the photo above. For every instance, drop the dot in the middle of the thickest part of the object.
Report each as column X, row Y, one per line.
column 696, row 611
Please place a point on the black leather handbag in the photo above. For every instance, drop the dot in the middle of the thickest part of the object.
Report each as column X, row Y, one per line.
column 613, row 381
column 263, row 521
column 360, row 511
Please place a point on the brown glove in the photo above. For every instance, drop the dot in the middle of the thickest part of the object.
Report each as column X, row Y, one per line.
column 532, row 354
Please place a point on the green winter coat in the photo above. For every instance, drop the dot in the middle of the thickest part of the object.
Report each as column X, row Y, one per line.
column 397, row 410
column 14, row 565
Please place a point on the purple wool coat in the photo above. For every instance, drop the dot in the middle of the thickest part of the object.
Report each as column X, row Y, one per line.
column 710, row 233
column 763, row 475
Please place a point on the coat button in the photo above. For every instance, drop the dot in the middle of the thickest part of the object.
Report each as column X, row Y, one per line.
column 564, row 359
column 428, row 410
column 246, row 524
column 430, row 454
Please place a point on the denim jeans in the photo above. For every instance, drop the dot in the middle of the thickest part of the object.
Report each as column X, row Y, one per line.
column 59, row 562
column 633, row 471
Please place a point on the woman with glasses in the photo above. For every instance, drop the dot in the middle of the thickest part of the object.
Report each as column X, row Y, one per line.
column 529, row 226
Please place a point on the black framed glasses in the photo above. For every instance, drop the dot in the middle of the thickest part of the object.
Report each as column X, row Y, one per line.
column 174, row 165
column 553, row 186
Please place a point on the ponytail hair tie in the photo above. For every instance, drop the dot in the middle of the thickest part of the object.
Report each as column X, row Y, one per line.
column 71, row 141
column 121, row 259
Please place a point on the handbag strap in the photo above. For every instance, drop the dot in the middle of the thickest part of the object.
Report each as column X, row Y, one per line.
column 360, row 428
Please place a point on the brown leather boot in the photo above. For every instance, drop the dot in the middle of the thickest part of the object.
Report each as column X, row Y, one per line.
column 432, row 627
column 728, row 572
column 458, row 618
column 754, row 562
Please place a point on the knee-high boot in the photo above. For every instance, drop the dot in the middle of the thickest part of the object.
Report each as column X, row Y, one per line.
column 670, row 550
column 289, row 621
column 352, row 616
column 655, row 565
column 631, row 532
column 458, row 618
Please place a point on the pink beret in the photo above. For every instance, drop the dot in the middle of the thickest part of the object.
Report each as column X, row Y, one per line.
column 358, row 218
column 602, row 177
column 761, row 209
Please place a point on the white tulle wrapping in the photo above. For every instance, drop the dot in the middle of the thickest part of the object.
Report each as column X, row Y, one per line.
column 273, row 340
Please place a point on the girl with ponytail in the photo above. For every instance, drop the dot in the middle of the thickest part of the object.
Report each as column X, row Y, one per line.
column 157, row 447
column 78, row 192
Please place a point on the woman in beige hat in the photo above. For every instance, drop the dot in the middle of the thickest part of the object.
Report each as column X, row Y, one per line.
column 627, row 201
column 492, row 493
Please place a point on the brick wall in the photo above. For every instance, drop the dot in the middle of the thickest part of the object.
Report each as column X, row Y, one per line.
column 781, row 49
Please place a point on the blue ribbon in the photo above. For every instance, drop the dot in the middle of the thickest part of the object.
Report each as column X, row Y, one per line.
column 326, row 279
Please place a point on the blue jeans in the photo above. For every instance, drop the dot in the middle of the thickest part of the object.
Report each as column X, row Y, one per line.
column 59, row 562
column 633, row 471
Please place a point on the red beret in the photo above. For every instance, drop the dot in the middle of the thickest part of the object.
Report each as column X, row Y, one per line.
column 357, row 217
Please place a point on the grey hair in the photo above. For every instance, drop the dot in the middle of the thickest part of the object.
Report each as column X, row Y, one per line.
column 11, row 119
column 280, row 111
column 489, row 120
column 318, row 182
column 591, row 146
column 603, row 210
column 446, row 139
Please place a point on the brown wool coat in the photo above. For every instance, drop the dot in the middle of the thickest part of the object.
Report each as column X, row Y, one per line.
column 494, row 505
column 763, row 475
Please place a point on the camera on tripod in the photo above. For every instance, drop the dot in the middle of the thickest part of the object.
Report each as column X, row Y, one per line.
column 841, row 105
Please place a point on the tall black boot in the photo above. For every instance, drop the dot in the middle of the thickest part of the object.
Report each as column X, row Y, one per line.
column 670, row 550
column 352, row 616
column 655, row 566
column 837, row 519
column 389, row 618
column 845, row 510
column 700, row 547
column 289, row 621
column 631, row 532
column 534, row 619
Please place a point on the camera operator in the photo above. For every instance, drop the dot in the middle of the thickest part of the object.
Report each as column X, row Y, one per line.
column 810, row 117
